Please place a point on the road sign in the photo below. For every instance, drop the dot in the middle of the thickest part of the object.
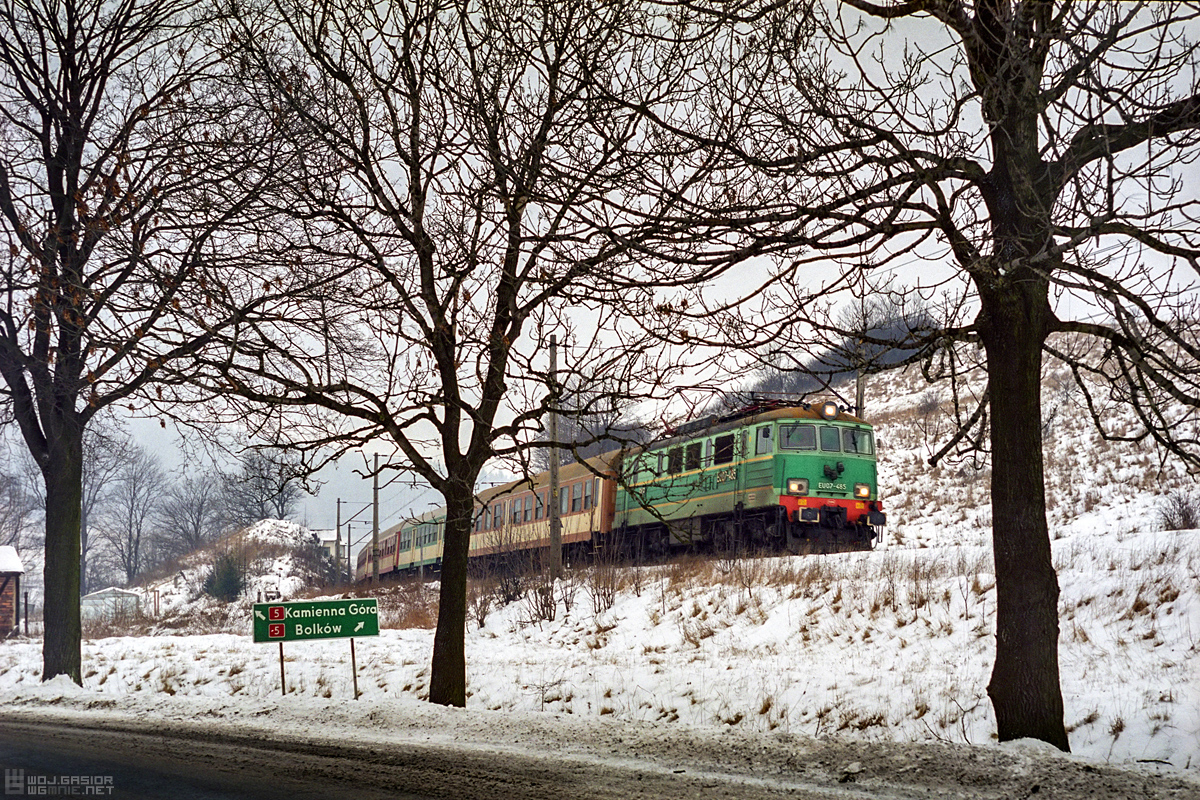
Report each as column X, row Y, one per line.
column 317, row 619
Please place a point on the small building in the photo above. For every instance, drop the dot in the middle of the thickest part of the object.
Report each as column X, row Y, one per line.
column 110, row 603
column 11, row 571
column 328, row 542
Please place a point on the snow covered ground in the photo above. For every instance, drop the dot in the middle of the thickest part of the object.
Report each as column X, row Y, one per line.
column 891, row 645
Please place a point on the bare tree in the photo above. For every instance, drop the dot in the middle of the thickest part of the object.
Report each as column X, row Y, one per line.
column 107, row 448
column 190, row 513
column 17, row 509
column 128, row 525
column 105, row 208
column 1013, row 156
column 267, row 485
column 473, row 179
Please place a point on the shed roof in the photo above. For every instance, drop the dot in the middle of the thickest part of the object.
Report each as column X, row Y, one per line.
column 111, row 591
column 10, row 562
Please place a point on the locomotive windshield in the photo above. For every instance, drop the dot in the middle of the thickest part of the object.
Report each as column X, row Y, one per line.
column 798, row 437
column 829, row 439
column 856, row 441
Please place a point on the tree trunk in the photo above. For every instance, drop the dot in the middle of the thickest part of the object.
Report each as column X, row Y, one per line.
column 448, row 672
column 1024, row 686
column 63, row 474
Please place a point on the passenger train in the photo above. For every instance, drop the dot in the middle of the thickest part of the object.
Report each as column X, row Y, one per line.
column 801, row 478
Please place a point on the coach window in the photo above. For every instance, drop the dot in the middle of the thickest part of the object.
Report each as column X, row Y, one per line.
column 762, row 440
column 708, row 451
column 798, row 437
column 498, row 515
column 724, row 449
column 692, row 461
column 675, row 460
column 857, row 441
column 564, row 499
column 539, row 505
column 529, row 508
column 830, row 441
column 516, row 511
column 587, row 495
column 577, row 498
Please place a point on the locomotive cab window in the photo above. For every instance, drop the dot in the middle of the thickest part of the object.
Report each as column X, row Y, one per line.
column 856, row 441
column 798, row 437
column 724, row 449
column 830, row 441
column 693, row 456
column 675, row 460
column 762, row 440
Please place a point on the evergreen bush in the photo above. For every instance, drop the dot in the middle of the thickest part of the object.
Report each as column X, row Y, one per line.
column 225, row 581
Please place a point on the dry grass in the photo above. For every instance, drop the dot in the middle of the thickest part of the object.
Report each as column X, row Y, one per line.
column 410, row 603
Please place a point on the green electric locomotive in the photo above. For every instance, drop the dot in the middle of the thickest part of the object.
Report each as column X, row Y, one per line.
column 801, row 477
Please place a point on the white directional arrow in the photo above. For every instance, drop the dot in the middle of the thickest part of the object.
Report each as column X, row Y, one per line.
column 258, row 614
column 359, row 626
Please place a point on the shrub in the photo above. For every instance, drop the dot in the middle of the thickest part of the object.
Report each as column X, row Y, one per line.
column 225, row 581
column 1179, row 511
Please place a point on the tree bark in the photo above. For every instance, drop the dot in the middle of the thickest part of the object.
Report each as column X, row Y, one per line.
column 63, row 474
column 448, row 673
column 1024, row 687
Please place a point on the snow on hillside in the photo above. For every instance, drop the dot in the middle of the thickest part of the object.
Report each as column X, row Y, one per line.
column 274, row 553
column 896, row 644
column 889, row 645
column 1092, row 485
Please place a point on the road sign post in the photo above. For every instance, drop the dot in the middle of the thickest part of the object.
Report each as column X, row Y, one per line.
column 316, row 619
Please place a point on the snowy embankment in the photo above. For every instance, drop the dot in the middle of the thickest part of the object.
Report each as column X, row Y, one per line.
column 894, row 644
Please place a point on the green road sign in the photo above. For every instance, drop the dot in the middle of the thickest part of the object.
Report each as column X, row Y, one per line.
column 319, row 619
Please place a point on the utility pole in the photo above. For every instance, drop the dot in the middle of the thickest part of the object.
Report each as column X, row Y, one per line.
column 337, row 544
column 554, row 567
column 375, row 526
column 860, row 380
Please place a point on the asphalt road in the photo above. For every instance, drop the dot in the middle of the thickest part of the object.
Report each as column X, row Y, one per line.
column 199, row 761
column 182, row 767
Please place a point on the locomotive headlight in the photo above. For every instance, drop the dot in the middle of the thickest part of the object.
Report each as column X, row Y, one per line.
column 829, row 409
column 862, row 490
column 797, row 486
